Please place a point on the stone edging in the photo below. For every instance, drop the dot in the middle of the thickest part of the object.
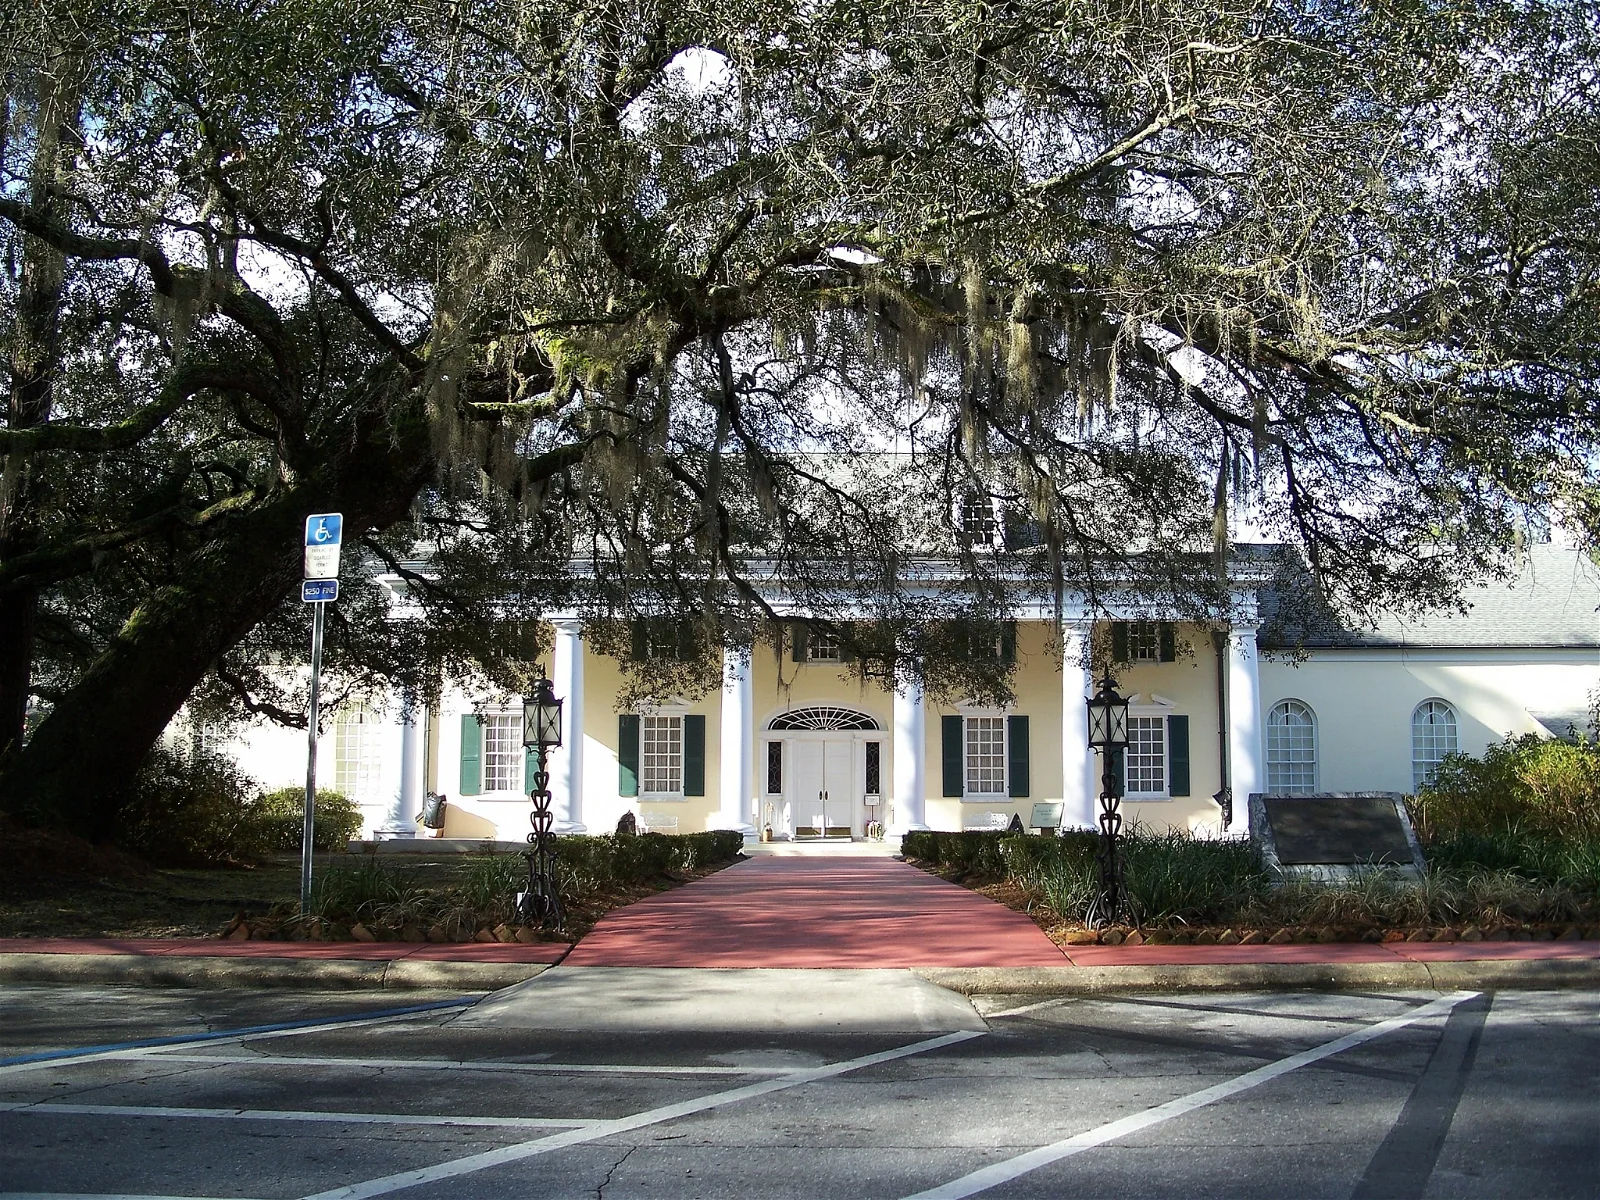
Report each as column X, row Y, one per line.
column 220, row 972
column 1400, row 974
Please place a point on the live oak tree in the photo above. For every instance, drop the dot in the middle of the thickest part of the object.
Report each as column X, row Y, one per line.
column 671, row 311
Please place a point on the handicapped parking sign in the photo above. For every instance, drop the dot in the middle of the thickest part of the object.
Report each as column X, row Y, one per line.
column 324, row 532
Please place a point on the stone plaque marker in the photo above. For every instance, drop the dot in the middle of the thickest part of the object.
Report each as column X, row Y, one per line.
column 1329, row 835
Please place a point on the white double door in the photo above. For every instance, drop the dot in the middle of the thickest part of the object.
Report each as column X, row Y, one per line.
column 823, row 800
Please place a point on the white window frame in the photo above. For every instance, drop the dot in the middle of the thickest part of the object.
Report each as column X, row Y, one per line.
column 1422, row 768
column 823, row 646
column 358, row 756
column 1157, row 708
column 972, row 529
column 672, row 712
column 969, row 713
column 1144, row 641
column 1282, row 757
column 512, row 761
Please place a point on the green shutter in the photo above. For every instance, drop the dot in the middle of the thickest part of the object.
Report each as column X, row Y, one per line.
column 530, row 764
column 1017, row 753
column 1178, row 755
column 797, row 641
column 1008, row 645
column 640, row 639
column 694, row 755
column 847, row 632
column 1119, row 641
column 471, row 754
column 687, row 637
column 1119, row 769
column 628, row 755
column 1169, row 642
column 953, row 755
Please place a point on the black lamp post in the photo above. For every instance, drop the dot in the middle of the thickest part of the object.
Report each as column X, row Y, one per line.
column 1108, row 733
column 541, row 733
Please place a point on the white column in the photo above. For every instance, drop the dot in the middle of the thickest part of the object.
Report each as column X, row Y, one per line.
column 1080, row 783
column 1244, row 722
column 566, row 774
column 737, row 784
column 910, row 740
column 401, row 820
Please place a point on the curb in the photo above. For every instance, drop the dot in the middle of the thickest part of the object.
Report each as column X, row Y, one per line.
column 1402, row 975
column 197, row 971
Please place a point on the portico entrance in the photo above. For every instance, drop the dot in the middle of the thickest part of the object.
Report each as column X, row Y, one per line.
column 823, row 776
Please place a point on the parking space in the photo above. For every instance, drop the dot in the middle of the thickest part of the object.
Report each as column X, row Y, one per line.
column 1299, row 1094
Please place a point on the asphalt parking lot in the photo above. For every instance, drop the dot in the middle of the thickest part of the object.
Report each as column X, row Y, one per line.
column 572, row 1089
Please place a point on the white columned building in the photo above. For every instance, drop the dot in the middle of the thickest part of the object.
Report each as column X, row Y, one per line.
column 910, row 741
column 1079, row 782
column 737, row 785
column 1247, row 768
column 566, row 776
column 401, row 819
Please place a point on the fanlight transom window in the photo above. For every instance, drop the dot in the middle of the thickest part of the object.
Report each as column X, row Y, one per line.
column 822, row 716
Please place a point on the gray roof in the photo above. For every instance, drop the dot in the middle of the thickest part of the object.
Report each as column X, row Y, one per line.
column 1554, row 601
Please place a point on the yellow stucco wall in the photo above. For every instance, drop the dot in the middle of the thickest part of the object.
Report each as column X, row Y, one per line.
column 1190, row 683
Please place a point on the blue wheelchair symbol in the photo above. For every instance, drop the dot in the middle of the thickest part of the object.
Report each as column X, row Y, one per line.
column 324, row 529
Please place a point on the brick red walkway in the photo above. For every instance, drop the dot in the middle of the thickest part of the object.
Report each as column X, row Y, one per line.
column 817, row 912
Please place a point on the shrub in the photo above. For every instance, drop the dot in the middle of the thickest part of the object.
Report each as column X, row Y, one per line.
column 277, row 820
column 1531, row 784
column 190, row 810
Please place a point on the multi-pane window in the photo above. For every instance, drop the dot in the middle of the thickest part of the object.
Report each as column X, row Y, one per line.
column 1144, row 641
column 358, row 755
column 986, row 756
column 978, row 522
column 1433, row 736
column 661, row 755
column 503, row 752
column 1291, row 748
column 823, row 646
column 1145, row 762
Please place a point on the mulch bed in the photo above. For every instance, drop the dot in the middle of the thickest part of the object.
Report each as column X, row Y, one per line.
column 1067, row 933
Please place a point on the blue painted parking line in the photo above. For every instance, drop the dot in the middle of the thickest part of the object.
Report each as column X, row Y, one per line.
column 226, row 1034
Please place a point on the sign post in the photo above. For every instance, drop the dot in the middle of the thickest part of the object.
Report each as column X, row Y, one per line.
column 324, row 533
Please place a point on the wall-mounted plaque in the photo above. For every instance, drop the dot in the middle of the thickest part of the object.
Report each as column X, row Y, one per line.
column 1329, row 835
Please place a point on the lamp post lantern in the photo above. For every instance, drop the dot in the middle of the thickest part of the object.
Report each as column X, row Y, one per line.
column 1108, row 733
column 541, row 733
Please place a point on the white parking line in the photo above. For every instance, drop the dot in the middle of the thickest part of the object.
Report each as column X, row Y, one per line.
column 450, row 1064
column 272, row 1114
column 669, row 1112
column 1003, row 1172
column 233, row 1040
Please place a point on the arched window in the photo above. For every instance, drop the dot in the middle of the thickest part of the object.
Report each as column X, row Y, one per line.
column 1433, row 736
column 1291, row 748
column 823, row 717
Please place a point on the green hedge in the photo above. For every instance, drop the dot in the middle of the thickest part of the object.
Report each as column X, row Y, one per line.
column 979, row 853
column 368, row 889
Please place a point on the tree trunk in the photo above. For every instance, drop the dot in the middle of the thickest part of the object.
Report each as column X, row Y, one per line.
column 76, row 769
column 34, row 360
